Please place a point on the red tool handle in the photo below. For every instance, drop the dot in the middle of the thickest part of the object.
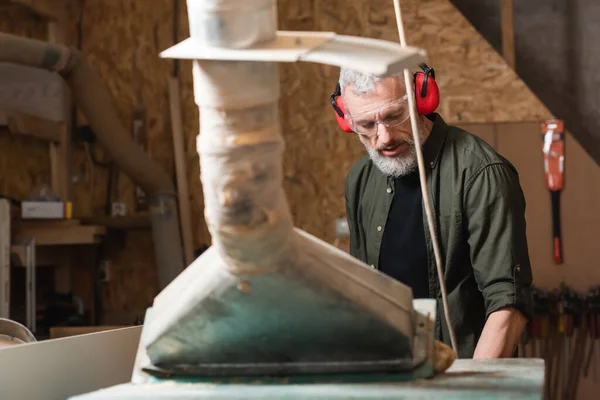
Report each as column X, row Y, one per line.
column 555, row 198
column 554, row 156
column 568, row 325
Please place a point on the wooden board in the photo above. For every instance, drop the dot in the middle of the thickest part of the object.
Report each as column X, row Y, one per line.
column 78, row 234
column 67, row 331
column 137, row 221
column 508, row 32
column 23, row 124
column 59, row 368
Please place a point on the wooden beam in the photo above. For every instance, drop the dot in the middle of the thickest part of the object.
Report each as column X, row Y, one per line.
column 23, row 124
column 135, row 221
column 60, row 154
column 508, row 32
column 67, row 331
column 68, row 235
column 47, row 9
column 185, row 213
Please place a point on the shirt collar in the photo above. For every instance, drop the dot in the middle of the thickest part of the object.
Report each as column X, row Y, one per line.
column 433, row 145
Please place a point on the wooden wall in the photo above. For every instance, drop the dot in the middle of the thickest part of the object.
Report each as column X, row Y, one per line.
column 122, row 40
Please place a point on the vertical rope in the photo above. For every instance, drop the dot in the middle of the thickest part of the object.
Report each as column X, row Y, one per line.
column 413, row 122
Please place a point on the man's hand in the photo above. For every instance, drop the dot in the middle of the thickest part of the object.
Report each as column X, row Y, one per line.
column 501, row 334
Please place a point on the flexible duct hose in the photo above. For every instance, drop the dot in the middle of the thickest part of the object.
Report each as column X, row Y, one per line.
column 94, row 101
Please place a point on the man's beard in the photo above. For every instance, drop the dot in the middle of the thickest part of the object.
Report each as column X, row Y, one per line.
column 400, row 165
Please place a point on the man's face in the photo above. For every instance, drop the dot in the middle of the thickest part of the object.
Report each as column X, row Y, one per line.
column 381, row 119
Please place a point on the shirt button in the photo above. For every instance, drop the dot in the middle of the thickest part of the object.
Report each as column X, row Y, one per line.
column 389, row 190
column 379, row 228
column 431, row 163
column 372, row 266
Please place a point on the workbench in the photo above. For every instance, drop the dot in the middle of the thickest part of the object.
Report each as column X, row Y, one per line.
column 466, row 379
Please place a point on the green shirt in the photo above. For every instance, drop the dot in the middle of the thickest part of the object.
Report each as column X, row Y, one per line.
column 479, row 213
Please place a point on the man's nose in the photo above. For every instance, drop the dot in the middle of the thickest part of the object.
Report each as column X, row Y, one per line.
column 383, row 133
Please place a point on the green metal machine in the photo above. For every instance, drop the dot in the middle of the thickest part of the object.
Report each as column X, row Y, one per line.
column 269, row 311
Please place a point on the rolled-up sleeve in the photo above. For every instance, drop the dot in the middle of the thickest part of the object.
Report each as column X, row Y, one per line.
column 496, row 228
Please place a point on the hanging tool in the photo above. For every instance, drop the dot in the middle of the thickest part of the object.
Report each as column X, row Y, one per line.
column 535, row 326
column 594, row 326
column 575, row 363
column 539, row 324
column 554, row 343
column 553, row 136
column 568, row 311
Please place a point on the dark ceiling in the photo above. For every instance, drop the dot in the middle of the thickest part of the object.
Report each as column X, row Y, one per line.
column 557, row 46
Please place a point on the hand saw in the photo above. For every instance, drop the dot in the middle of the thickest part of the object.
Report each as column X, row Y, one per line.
column 554, row 158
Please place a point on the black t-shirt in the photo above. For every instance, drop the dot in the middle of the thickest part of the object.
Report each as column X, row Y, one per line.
column 403, row 252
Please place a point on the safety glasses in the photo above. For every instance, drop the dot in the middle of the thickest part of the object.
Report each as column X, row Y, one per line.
column 367, row 123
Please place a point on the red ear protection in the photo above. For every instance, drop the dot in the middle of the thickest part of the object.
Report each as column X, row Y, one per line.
column 427, row 95
column 338, row 106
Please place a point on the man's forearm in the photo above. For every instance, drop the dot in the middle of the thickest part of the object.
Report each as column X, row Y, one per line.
column 501, row 334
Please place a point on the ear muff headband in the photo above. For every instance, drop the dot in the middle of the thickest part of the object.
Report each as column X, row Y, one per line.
column 426, row 90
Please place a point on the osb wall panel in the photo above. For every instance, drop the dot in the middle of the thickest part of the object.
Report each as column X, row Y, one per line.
column 476, row 84
column 24, row 161
column 122, row 39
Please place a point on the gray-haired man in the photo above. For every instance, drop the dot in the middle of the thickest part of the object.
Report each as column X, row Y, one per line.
column 478, row 207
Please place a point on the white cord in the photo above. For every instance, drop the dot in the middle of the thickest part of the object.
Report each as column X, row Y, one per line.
column 413, row 122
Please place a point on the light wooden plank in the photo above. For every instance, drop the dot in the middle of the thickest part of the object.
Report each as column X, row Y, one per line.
column 23, row 124
column 57, row 369
column 60, row 154
column 185, row 212
column 83, row 234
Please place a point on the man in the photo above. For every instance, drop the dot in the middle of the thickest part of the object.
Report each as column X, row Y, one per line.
column 478, row 208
